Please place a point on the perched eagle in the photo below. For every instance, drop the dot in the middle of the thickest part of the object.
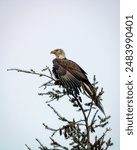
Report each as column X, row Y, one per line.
column 72, row 77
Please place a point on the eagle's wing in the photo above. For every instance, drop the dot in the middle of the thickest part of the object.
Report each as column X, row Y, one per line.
column 63, row 66
column 69, row 73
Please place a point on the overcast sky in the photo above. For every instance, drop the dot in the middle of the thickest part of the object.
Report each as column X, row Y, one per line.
column 88, row 30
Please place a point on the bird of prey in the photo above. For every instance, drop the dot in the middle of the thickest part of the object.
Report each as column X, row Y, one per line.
column 72, row 77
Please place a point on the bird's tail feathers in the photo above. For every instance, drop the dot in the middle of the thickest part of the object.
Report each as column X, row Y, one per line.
column 100, row 106
column 90, row 90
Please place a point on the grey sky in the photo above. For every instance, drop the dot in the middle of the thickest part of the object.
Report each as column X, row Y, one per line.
column 88, row 30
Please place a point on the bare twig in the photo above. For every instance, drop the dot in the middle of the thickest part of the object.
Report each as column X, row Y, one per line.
column 89, row 112
column 47, row 68
column 31, row 72
column 43, row 147
column 59, row 145
column 60, row 117
column 28, row 147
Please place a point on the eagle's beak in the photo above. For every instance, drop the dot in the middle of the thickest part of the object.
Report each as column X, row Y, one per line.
column 52, row 52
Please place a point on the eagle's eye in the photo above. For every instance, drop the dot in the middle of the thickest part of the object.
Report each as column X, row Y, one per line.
column 58, row 51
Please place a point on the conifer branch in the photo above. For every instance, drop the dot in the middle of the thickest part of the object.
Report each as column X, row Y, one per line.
column 77, row 132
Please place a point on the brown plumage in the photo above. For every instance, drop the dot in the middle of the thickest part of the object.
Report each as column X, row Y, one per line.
column 72, row 77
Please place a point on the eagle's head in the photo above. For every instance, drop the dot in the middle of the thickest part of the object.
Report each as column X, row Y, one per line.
column 59, row 53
